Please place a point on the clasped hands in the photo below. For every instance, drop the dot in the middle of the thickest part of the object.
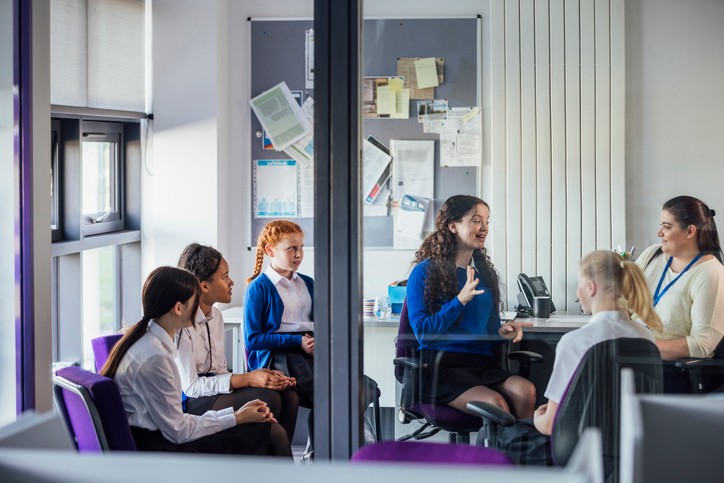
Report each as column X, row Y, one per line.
column 255, row 411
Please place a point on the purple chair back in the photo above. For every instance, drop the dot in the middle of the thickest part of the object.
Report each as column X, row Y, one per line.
column 93, row 410
column 102, row 348
column 430, row 453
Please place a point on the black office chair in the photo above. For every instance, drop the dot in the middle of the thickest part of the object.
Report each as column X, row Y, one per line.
column 704, row 375
column 410, row 370
column 592, row 398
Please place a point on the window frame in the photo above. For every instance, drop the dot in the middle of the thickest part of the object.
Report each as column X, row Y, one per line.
column 114, row 219
column 56, row 182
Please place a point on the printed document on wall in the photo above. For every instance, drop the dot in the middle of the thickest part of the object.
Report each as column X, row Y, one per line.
column 461, row 137
column 275, row 188
column 375, row 168
column 410, row 222
column 280, row 116
column 413, row 168
column 303, row 150
column 306, row 191
column 309, row 58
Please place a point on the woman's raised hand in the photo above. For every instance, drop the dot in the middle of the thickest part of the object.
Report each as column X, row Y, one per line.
column 255, row 411
column 469, row 290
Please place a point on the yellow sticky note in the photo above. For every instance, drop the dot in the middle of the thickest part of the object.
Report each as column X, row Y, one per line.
column 395, row 84
column 386, row 100
column 403, row 105
column 426, row 73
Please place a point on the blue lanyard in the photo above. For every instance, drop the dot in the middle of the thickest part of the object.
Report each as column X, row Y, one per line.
column 658, row 294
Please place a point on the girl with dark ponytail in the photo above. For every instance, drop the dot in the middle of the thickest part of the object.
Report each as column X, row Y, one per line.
column 142, row 365
column 686, row 277
column 453, row 302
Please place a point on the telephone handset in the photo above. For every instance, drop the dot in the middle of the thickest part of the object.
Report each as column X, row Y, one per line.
column 530, row 287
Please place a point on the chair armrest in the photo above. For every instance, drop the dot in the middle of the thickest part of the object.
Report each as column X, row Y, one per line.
column 409, row 362
column 526, row 356
column 491, row 413
column 691, row 362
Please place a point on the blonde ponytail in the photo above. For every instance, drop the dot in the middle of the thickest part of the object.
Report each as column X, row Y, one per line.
column 624, row 281
column 637, row 295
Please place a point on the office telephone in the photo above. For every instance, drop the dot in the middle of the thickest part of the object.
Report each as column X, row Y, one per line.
column 530, row 287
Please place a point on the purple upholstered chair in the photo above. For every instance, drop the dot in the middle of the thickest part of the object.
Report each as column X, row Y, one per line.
column 102, row 348
column 93, row 410
column 408, row 371
column 430, row 453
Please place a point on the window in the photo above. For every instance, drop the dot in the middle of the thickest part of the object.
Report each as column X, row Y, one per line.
column 100, row 295
column 95, row 192
column 55, row 218
column 101, row 177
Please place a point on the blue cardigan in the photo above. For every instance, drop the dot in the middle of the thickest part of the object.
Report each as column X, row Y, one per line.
column 263, row 309
column 455, row 327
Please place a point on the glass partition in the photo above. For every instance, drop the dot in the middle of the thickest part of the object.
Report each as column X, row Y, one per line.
column 8, row 207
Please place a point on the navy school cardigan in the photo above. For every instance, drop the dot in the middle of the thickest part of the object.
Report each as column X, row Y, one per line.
column 263, row 309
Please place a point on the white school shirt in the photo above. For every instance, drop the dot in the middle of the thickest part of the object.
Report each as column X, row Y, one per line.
column 574, row 345
column 297, row 316
column 197, row 355
column 150, row 388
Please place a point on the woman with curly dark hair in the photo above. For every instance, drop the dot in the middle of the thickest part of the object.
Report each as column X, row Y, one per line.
column 454, row 304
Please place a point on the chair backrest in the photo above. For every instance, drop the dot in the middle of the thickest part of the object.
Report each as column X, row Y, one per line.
column 93, row 410
column 592, row 398
column 102, row 347
column 430, row 453
column 406, row 344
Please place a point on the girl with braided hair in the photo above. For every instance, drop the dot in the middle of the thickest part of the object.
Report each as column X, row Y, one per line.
column 453, row 302
column 142, row 365
column 611, row 289
column 278, row 311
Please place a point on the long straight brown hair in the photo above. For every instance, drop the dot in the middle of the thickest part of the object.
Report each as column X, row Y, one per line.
column 164, row 287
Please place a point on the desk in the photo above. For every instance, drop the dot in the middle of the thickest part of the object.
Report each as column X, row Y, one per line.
column 233, row 339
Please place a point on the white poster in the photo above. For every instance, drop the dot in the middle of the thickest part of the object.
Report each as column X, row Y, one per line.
column 280, row 116
column 275, row 194
column 413, row 168
column 461, row 137
column 309, row 58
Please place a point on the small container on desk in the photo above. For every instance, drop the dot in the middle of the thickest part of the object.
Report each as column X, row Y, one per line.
column 397, row 295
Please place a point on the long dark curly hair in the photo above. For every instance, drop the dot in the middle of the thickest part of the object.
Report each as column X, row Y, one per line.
column 441, row 248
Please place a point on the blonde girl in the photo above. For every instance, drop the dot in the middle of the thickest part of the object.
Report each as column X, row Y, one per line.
column 611, row 289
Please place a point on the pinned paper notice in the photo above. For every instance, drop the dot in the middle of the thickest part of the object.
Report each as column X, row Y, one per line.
column 396, row 84
column 386, row 100
column 426, row 73
column 403, row 105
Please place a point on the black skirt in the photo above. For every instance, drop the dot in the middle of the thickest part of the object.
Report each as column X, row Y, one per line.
column 452, row 373
column 243, row 439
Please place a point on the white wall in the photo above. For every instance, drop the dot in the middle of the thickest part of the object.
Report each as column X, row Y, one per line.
column 674, row 108
column 200, row 187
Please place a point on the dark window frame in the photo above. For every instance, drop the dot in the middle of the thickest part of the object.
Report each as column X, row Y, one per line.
column 114, row 219
column 56, row 193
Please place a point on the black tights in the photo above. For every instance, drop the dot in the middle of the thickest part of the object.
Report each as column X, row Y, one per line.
column 283, row 405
